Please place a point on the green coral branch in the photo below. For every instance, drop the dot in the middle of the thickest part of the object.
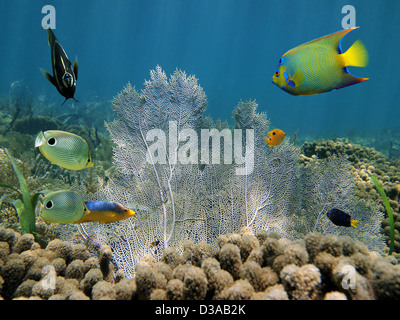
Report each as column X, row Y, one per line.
column 24, row 208
column 388, row 210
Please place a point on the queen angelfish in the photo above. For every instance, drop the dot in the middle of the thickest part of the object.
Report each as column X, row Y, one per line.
column 320, row 66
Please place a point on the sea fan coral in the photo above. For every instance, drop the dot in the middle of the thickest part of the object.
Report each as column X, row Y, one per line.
column 182, row 188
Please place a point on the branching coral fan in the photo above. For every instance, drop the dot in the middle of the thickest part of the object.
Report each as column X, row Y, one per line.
column 178, row 201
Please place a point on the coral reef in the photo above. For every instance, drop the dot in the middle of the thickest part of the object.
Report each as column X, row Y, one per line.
column 315, row 268
column 365, row 161
column 179, row 197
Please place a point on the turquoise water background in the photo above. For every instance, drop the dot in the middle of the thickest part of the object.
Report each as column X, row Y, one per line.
column 232, row 47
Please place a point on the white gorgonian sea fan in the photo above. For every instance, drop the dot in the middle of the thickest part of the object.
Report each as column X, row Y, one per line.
column 187, row 188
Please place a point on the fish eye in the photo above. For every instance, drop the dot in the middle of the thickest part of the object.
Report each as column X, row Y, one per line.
column 274, row 133
column 49, row 204
column 277, row 73
column 88, row 160
column 51, row 141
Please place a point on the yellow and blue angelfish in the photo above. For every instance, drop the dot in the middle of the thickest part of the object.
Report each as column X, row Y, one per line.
column 66, row 206
column 320, row 65
column 64, row 149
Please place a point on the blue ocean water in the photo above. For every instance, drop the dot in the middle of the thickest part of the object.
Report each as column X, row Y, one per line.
column 231, row 46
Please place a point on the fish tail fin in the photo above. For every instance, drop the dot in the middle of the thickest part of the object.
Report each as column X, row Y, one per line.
column 131, row 212
column 40, row 139
column 354, row 223
column 356, row 55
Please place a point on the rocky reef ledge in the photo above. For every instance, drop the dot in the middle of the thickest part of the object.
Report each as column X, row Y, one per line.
column 244, row 266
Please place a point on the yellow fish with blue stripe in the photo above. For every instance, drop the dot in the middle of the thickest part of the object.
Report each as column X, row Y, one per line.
column 67, row 206
column 320, row 65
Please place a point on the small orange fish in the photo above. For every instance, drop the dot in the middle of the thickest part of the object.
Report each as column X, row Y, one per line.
column 275, row 137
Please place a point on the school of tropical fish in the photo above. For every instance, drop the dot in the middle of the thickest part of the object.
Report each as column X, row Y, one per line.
column 311, row 68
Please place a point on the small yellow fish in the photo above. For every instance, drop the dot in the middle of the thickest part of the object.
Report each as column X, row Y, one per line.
column 62, row 206
column 275, row 137
column 105, row 212
column 320, row 66
column 64, row 149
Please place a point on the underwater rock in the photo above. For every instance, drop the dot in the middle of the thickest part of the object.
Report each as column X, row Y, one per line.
column 33, row 125
column 91, row 278
column 302, row 282
column 125, row 289
column 240, row 290
column 103, row 290
column 335, row 295
column 174, row 290
column 194, row 284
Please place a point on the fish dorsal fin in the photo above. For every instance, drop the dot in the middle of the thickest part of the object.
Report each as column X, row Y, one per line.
column 332, row 40
column 52, row 38
column 75, row 67
column 356, row 55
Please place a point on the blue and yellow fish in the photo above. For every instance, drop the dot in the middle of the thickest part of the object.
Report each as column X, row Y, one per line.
column 320, row 66
column 105, row 212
